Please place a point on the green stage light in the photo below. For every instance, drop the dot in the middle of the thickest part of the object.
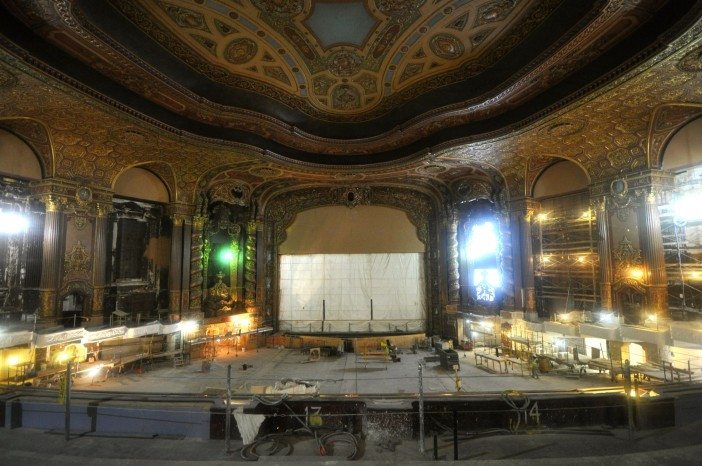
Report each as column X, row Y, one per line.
column 226, row 255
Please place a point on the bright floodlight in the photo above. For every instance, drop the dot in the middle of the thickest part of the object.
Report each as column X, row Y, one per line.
column 188, row 326
column 482, row 241
column 687, row 207
column 12, row 223
column 490, row 276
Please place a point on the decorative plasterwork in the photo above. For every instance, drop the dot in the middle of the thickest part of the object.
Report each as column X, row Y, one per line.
column 597, row 32
column 79, row 132
column 77, row 261
column 231, row 192
column 627, row 259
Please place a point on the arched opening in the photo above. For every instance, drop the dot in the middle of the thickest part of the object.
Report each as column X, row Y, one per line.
column 564, row 240
column 21, row 228
column 140, row 242
column 681, row 221
column 17, row 159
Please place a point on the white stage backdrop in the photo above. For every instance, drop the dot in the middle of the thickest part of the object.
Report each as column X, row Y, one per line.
column 348, row 282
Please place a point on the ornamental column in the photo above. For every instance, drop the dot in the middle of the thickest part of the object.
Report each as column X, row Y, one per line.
column 250, row 264
column 196, row 264
column 651, row 240
column 452, row 253
column 176, row 264
column 521, row 216
column 52, row 257
column 102, row 225
column 604, row 253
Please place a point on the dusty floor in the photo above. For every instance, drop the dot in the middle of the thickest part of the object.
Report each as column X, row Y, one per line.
column 345, row 374
column 672, row 446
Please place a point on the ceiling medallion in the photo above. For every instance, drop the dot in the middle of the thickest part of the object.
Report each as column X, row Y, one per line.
column 446, row 46
column 344, row 63
column 240, row 51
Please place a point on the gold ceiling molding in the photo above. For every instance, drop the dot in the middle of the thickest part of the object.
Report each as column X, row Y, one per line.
column 608, row 132
column 404, row 56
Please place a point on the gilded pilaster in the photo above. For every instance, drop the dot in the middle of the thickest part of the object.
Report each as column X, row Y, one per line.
column 99, row 260
column 250, row 263
column 453, row 265
column 604, row 251
column 52, row 256
column 521, row 216
column 651, row 241
column 196, row 263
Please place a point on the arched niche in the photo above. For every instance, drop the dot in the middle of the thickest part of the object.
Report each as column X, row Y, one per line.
column 17, row 159
column 685, row 147
column 562, row 177
column 340, row 230
column 139, row 183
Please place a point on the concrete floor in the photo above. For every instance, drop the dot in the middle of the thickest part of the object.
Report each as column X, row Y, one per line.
column 336, row 375
column 672, row 446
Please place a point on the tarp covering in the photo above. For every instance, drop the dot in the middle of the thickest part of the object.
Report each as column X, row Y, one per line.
column 344, row 285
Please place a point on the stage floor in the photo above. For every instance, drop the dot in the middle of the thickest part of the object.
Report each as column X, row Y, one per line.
column 337, row 375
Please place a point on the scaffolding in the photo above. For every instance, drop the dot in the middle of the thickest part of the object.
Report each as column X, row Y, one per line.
column 565, row 260
column 682, row 246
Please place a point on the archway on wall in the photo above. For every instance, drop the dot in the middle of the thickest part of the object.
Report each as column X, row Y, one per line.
column 140, row 183
column 564, row 241
column 140, row 243
column 352, row 270
column 681, row 221
column 21, row 227
column 17, row 159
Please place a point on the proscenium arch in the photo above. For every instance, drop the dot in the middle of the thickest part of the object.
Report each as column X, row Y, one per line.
column 148, row 167
column 280, row 211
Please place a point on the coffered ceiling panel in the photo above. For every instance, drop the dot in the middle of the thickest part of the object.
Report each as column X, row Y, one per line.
column 343, row 82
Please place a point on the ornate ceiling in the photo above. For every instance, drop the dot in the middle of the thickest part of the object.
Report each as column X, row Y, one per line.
column 352, row 82
column 54, row 93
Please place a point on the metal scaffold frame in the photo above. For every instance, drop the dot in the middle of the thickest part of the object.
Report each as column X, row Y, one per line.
column 565, row 258
column 682, row 246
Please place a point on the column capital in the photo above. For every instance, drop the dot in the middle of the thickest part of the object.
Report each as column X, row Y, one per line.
column 526, row 205
column 198, row 222
column 180, row 213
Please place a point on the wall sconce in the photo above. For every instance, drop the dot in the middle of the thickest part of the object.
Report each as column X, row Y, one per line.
column 636, row 273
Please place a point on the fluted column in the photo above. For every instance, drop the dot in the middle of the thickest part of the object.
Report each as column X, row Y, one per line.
column 52, row 256
column 196, row 264
column 175, row 269
column 185, row 265
column 604, row 251
column 452, row 253
column 651, row 241
column 250, row 264
column 99, row 262
column 506, row 261
column 521, row 213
